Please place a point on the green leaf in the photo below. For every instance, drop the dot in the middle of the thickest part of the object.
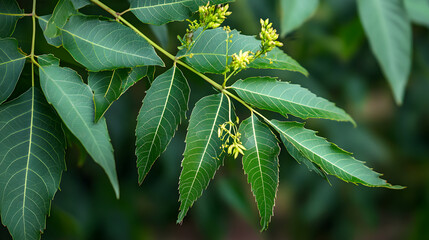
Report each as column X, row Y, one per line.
column 418, row 11
column 203, row 154
column 211, row 50
column 110, row 44
column 285, row 98
column 43, row 21
column 72, row 99
column 32, row 150
column 160, row 12
column 163, row 109
column 62, row 11
column 261, row 164
column 78, row 4
column 136, row 75
column 11, row 65
column 295, row 12
column 277, row 59
column 389, row 32
column 327, row 156
column 8, row 22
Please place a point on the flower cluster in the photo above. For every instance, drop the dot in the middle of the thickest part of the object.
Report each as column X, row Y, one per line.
column 213, row 16
column 241, row 60
column 268, row 37
column 230, row 137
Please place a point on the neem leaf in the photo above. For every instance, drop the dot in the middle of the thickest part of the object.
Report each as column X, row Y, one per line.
column 62, row 11
column 55, row 41
column 110, row 44
column 285, row 98
column 72, row 99
column 388, row 29
column 8, row 22
column 163, row 109
column 261, row 164
column 32, row 149
column 418, row 11
column 11, row 65
column 327, row 156
column 203, row 154
column 159, row 12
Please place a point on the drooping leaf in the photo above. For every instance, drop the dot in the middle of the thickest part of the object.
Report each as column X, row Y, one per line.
column 108, row 86
column 159, row 12
column 62, row 11
column 163, row 109
column 8, row 22
column 43, row 21
column 285, row 98
column 388, row 29
column 110, row 44
column 72, row 99
column 211, row 50
column 418, row 11
column 293, row 13
column 11, row 65
column 32, row 150
column 327, row 156
column 203, row 154
column 277, row 59
column 261, row 164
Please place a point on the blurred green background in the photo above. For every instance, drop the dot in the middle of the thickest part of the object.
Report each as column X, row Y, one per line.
column 332, row 46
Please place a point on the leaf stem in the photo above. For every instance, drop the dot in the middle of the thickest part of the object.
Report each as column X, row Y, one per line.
column 17, row 14
column 33, row 40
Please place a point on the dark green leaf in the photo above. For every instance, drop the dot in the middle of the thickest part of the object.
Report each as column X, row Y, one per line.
column 388, row 29
column 295, row 12
column 277, row 59
column 7, row 21
column 11, row 65
column 110, row 44
column 203, row 154
column 32, row 149
column 63, row 10
column 136, row 75
column 163, row 109
column 327, row 156
column 163, row 11
column 72, row 99
column 78, row 4
column 285, row 98
column 56, row 41
column 261, row 164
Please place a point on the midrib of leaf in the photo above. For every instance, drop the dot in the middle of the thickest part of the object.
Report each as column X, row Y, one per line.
column 281, row 99
column 101, row 46
column 260, row 167
column 110, row 83
column 294, row 143
column 78, row 113
column 28, row 161
column 205, row 149
column 13, row 60
column 162, row 114
column 159, row 5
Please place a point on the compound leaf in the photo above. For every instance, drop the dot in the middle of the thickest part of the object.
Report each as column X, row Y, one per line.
column 8, row 22
column 203, row 154
column 261, row 164
column 295, row 12
column 163, row 109
column 159, row 12
column 327, row 156
column 389, row 32
column 32, row 150
column 110, row 44
column 285, row 98
column 11, row 65
column 73, row 101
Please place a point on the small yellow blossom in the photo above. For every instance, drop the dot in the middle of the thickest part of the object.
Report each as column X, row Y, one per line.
column 268, row 36
column 241, row 60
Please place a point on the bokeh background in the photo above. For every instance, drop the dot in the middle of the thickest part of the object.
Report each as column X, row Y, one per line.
column 332, row 46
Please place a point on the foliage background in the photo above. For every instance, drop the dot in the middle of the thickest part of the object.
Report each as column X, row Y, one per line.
column 332, row 47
